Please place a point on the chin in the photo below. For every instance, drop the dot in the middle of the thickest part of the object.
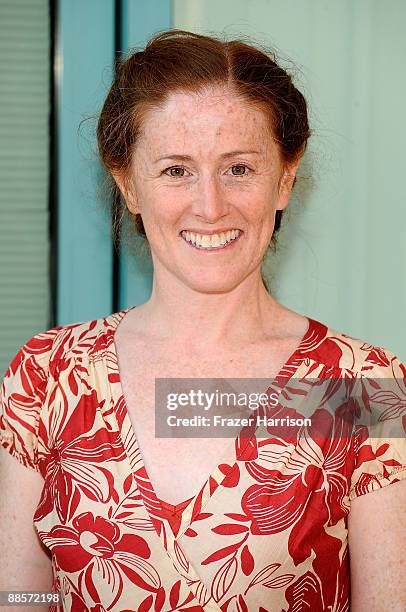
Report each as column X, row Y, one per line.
column 212, row 284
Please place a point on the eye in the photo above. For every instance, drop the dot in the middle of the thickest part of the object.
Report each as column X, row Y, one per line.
column 239, row 168
column 178, row 171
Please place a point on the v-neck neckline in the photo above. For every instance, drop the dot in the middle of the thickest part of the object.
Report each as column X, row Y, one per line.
column 152, row 503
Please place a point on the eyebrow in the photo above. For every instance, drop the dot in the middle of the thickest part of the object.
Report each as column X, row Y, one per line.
column 189, row 158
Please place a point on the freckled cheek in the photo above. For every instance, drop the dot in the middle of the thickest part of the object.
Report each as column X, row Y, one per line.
column 162, row 218
column 256, row 209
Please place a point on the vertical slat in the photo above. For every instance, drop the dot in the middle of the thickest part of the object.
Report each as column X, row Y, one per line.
column 84, row 64
column 139, row 21
column 24, row 167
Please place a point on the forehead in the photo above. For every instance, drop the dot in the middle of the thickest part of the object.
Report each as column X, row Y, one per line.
column 212, row 116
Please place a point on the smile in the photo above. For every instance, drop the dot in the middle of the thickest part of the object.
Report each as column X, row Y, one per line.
column 211, row 242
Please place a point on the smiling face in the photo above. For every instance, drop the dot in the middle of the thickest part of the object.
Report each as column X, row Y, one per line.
column 206, row 164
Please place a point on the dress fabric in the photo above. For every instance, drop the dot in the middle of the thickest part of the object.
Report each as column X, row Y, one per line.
column 266, row 532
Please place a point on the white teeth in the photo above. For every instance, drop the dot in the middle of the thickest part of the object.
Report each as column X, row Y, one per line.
column 207, row 241
column 215, row 241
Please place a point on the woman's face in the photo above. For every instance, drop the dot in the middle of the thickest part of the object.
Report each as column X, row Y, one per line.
column 206, row 164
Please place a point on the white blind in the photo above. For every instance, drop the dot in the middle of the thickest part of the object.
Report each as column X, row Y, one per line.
column 24, row 142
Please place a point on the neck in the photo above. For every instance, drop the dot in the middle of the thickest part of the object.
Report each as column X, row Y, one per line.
column 205, row 321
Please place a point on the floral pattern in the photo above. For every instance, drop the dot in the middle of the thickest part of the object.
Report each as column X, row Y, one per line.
column 266, row 532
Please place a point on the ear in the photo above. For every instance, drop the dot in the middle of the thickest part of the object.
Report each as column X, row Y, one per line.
column 286, row 183
column 128, row 193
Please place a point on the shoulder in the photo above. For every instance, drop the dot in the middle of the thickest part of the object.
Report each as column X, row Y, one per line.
column 48, row 352
column 371, row 391
column 25, row 389
column 337, row 349
column 82, row 340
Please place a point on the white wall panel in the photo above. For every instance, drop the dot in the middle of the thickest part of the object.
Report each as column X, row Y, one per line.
column 342, row 253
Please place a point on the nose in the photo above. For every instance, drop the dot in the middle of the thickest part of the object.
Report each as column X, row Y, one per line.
column 211, row 202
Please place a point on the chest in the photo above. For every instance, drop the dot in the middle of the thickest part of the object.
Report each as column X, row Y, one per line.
column 179, row 466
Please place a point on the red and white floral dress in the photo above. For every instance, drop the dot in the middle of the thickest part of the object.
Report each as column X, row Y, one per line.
column 267, row 531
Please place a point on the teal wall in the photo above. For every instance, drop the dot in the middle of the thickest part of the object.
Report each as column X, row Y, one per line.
column 84, row 70
column 342, row 254
column 86, row 45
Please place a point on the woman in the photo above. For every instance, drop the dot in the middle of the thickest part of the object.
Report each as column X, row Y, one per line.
column 204, row 139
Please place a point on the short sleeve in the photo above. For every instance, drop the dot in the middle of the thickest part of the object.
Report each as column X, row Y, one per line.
column 379, row 440
column 22, row 396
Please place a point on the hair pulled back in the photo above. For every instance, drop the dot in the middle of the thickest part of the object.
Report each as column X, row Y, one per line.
column 177, row 60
